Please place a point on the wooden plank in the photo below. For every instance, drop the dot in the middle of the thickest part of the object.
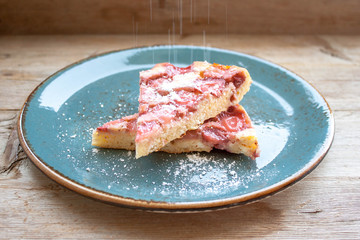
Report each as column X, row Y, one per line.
column 7, row 124
column 38, row 208
column 181, row 17
column 17, row 52
column 16, row 93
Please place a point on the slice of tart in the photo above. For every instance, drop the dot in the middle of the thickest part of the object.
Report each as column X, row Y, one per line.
column 231, row 130
column 174, row 100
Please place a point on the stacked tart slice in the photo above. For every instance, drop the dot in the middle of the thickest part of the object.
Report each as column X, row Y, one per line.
column 186, row 109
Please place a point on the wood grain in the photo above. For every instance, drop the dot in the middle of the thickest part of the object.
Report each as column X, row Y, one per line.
column 324, row 205
column 179, row 16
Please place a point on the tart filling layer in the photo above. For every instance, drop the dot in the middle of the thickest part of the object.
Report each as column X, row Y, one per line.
column 174, row 100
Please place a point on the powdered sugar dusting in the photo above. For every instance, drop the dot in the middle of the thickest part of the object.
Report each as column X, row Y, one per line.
column 180, row 81
column 198, row 159
column 198, row 175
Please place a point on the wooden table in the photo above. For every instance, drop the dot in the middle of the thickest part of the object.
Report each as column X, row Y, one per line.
column 326, row 204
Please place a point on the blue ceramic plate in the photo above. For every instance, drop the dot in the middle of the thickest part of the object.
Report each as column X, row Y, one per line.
column 294, row 123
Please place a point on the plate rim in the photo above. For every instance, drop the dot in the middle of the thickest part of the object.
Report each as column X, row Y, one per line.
column 109, row 198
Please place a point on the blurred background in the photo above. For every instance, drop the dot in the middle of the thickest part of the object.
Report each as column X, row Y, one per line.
column 180, row 17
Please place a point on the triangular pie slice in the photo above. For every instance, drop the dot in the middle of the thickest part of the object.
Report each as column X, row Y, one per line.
column 231, row 130
column 174, row 100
